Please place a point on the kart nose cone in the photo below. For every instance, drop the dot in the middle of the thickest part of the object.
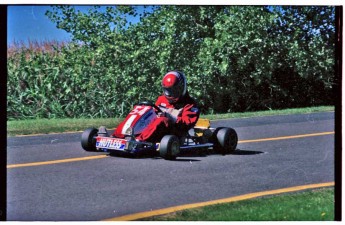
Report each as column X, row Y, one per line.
column 129, row 131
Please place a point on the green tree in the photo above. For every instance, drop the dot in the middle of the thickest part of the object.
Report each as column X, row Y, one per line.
column 248, row 57
column 236, row 58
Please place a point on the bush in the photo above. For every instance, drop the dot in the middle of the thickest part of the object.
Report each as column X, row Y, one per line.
column 280, row 57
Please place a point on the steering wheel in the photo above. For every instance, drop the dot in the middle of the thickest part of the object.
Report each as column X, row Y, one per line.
column 148, row 103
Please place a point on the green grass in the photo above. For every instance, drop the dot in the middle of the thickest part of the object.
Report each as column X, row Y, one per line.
column 313, row 205
column 38, row 126
column 271, row 112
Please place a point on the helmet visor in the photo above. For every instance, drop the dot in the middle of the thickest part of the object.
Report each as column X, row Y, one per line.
column 174, row 92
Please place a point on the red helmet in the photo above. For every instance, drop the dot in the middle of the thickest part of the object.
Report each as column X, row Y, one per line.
column 174, row 86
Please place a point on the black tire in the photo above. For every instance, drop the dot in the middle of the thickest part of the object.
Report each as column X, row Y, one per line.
column 213, row 139
column 88, row 142
column 169, row 147
column 226, row 140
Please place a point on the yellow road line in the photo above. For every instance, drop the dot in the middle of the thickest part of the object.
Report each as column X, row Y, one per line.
column 55, row 161
column 141, row 215
column 103, row 156
column 287, row 137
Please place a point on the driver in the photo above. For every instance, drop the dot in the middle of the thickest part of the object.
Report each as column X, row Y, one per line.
column 179, row 110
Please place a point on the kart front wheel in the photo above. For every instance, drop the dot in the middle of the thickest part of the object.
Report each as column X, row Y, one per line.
column 226, row 141
column 169, row 147
column 88, row 141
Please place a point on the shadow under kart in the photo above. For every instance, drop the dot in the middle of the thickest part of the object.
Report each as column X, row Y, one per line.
column 201, row 138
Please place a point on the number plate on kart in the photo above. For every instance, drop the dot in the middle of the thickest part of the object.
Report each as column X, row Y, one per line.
column 110, row 143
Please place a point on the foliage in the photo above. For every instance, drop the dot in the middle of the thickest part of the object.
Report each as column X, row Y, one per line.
column 279, row 57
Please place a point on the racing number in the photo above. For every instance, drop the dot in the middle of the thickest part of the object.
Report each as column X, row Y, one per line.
column 139, row 110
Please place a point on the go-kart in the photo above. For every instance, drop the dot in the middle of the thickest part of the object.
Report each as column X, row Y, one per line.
column 222, row 139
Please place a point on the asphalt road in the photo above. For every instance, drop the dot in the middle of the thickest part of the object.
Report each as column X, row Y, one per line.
column 102, row 188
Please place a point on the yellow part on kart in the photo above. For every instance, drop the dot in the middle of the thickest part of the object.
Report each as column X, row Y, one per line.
column 201, row 125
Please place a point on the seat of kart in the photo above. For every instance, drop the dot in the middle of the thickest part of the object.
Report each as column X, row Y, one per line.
column 200, row 126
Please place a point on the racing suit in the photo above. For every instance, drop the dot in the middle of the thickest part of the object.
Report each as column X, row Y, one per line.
column 163, row 125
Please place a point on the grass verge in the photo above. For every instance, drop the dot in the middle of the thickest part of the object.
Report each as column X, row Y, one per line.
column 312, row 205
column 45, row 126
column 271, row 112
column 38, row 126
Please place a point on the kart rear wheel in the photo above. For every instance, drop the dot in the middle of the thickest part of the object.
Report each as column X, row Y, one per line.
column 226, row 140
column 169, row 147
column 88, row 141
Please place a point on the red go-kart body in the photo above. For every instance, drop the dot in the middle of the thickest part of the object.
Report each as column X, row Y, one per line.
column 202, row 136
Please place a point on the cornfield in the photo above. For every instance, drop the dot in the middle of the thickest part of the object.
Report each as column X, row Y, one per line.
column 282, row 57
column 59, row 80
